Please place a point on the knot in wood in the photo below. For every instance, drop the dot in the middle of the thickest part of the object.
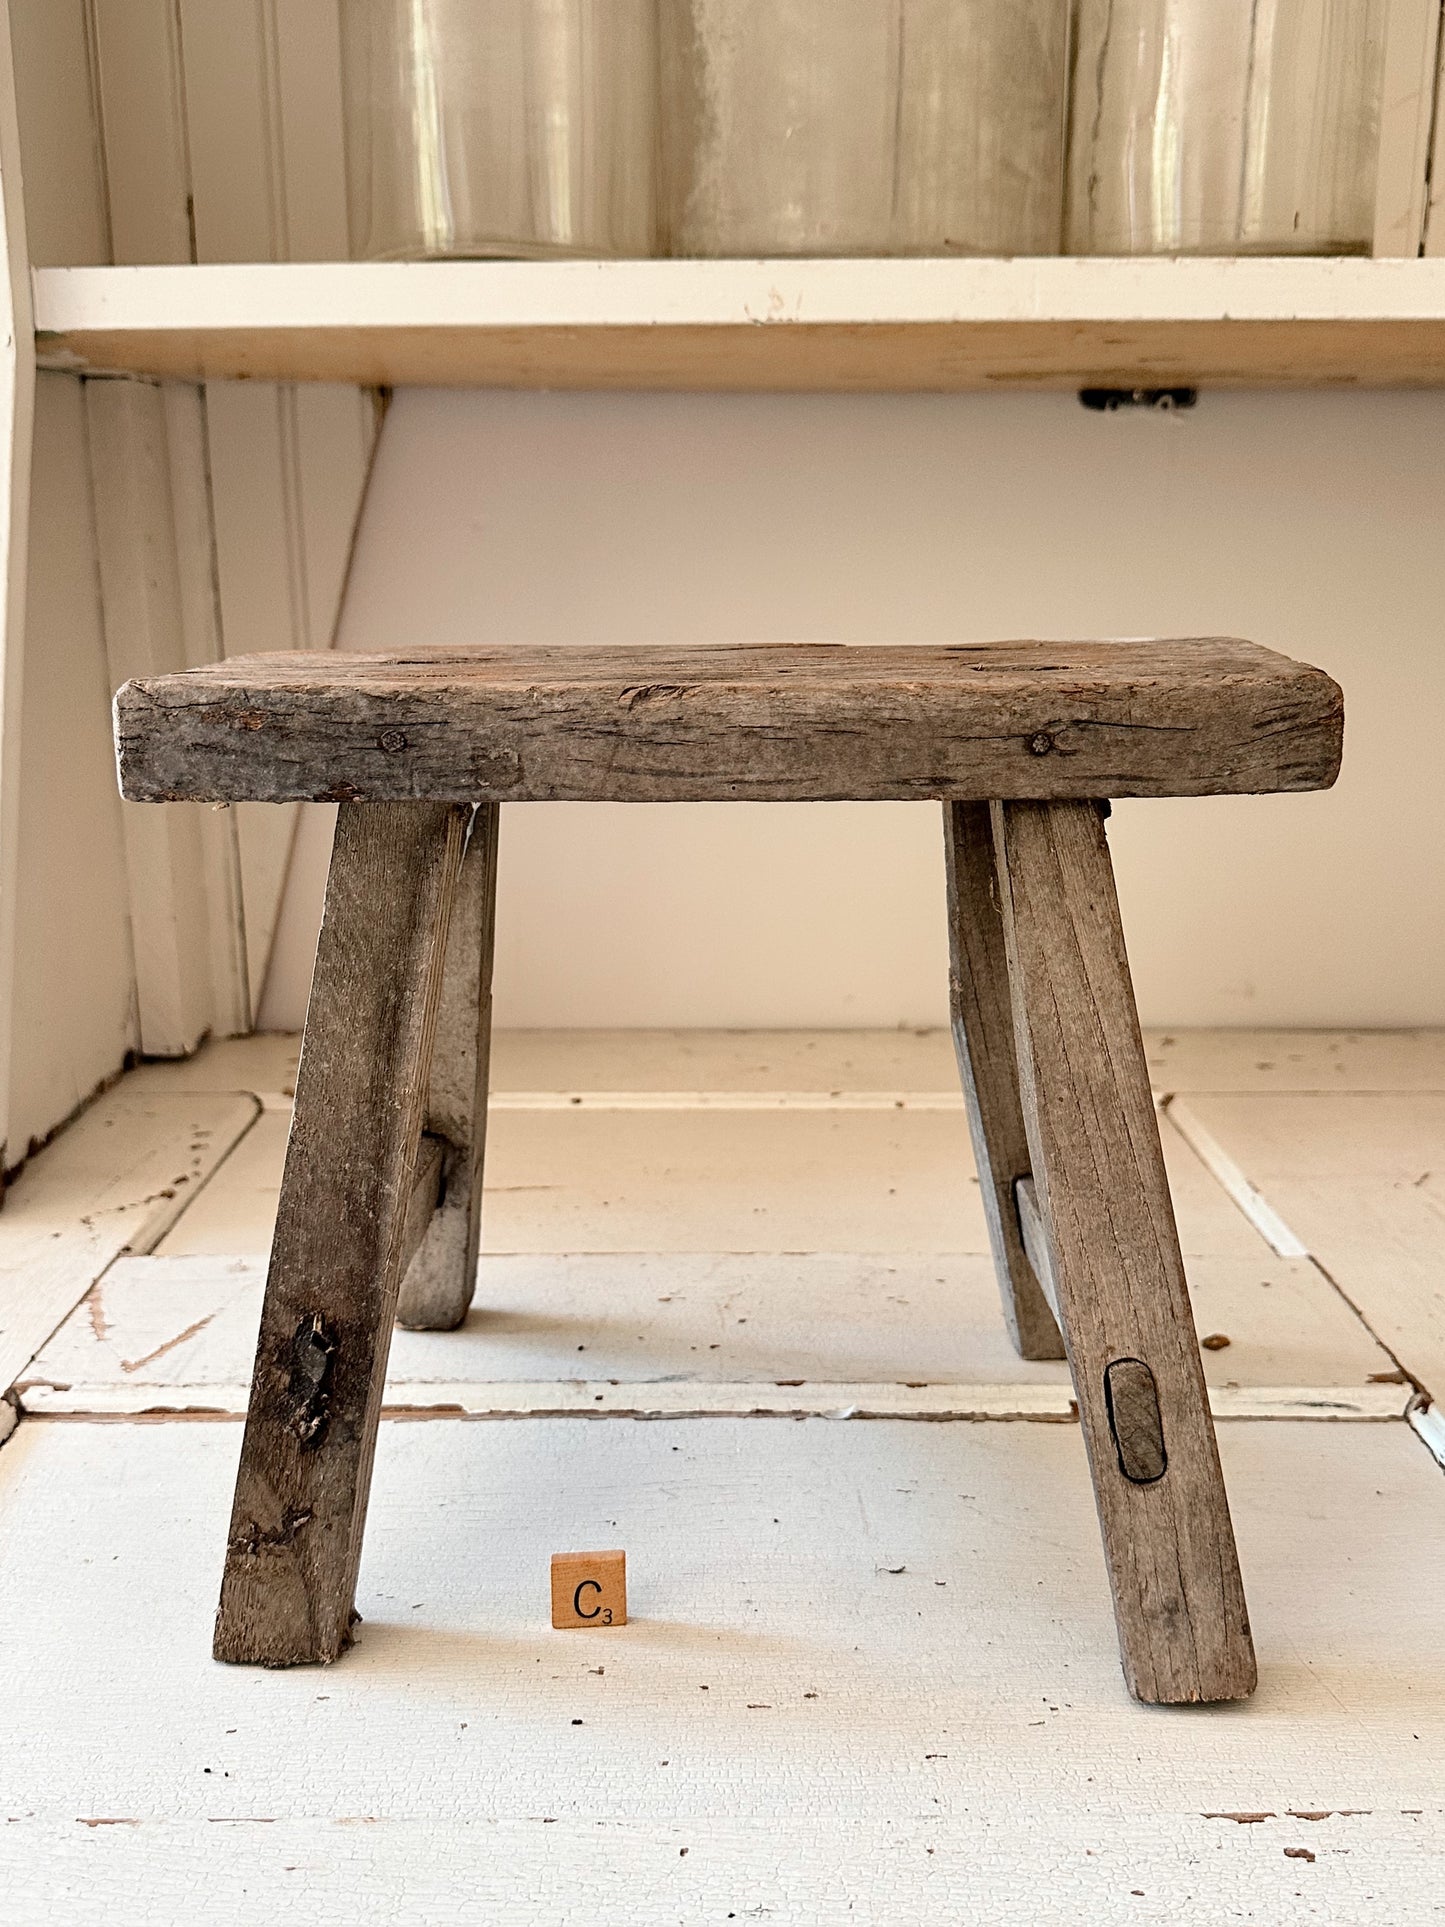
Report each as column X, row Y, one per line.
column 310, row 1358
column 254, row 1539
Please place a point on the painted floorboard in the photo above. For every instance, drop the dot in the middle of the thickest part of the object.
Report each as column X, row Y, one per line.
column 709, row 1332
column 871, row 1673
column 697, row 1181
column 858, row 1627
column 111, row 1182
column 1359, row 1178
column 1105, row 1868
column 891, row 1060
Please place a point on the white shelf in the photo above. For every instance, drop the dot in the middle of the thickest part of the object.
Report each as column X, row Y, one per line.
column 936, row 324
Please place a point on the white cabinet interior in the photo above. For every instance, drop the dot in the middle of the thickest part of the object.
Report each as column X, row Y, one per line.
column 185, row 520
column 220, row 517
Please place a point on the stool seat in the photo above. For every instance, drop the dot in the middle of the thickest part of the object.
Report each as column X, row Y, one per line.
column 804, row 722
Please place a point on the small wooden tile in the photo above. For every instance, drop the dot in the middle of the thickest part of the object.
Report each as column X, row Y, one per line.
column 589, row 1589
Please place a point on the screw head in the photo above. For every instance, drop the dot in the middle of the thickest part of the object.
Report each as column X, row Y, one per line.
column 1040, row 743
column 392, row 741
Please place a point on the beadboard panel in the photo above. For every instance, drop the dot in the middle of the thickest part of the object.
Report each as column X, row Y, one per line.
column 75, row 1015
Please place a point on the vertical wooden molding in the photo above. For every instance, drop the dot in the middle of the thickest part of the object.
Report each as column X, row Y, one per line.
column 1435, row 207
column 195, row 548
column 187, row 904
column 56, row 111
column 306, row 38
column 222, row 138
column 141, row 94
column 289, row 465
column 74, row 969
column 74, row 956
column 144, row 614
column 1412, row 49
column 17, row 420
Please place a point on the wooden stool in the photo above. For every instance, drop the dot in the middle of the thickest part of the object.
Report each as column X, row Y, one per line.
column 379, row 1205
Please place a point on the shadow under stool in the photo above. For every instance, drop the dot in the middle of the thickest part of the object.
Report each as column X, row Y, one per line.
column 1021, row 741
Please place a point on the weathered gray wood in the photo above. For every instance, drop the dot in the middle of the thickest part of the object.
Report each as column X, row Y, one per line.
column 426, row 1194
column 969, row 721
column 336, row 1258
column 438, row 1283
column 1036, row 1245
column 1114, row 1251
column 983, row 1040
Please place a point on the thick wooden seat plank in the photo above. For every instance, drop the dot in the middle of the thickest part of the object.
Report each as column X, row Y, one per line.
column 791, row 723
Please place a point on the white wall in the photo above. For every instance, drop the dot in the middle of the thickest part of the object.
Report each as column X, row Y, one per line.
column 1313, row 523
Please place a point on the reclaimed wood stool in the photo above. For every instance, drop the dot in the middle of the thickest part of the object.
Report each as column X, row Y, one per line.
column 1022, row 742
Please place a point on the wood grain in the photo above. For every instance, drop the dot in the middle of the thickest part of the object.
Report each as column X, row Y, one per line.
column 440, row 1278
column 426, row 1191
column 807, row 722
column 941, row 357
column 1099, row 1172
column 1036, row 1244
column 983, row 1040
column 331, row 1293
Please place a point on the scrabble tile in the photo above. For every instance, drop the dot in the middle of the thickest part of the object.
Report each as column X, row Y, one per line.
column 589, row 1589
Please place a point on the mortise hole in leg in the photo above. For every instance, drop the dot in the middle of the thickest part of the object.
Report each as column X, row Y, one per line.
column 1132, row 1400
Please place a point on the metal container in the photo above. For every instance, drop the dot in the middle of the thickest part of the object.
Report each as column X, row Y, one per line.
column 1216, row 127
column 836, row 127
column 521, row 128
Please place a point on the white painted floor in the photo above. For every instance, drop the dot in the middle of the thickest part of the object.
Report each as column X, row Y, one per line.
column 871, row 1672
